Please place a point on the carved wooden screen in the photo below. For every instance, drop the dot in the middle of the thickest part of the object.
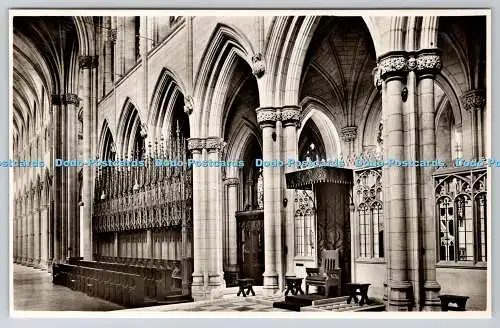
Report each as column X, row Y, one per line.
column 130, row 201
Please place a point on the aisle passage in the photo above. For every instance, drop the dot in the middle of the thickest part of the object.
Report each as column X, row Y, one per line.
column 34, row 291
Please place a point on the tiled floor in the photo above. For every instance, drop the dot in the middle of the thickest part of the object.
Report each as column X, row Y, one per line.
column 34, row 291
column 227, row 304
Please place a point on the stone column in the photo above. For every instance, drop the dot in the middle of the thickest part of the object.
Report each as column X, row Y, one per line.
column 196, row 146
column 64, row 179
column 36, row 229
column 57, row 180
column 232, row 206
column 428, row 64
column 414, row 222
column 393, row 68
column 213, row 218
column 72, row 106
column 290, row 117
column 473, row 102
column 267, row 117
column 88, row 65
column 14, row 229
column 31, row 228
column 25, row 229
column 44, row 256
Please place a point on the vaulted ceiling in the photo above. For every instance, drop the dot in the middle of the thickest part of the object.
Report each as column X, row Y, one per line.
column 45, row 58
column 338, row 68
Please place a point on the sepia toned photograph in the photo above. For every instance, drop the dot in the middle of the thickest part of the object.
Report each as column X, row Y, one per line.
column 250, row 163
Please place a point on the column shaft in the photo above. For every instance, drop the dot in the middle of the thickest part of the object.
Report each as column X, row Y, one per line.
column 88, row 64
column 197, row 288
column 72, row 192
column 57, row 181
column 399, row 287
column 231, row 238
column 267, row 119
column 291, row 152
column 428, row 144
column 214, row 218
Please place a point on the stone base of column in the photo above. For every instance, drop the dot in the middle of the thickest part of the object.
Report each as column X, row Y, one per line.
column 432, row 301
column 216, row 285
column 44, row 264
column 49, row 265
column 214, row 289
column 198, row 291
column 271, row 285
column 36, row 263
column 30, row 263
column 400, row 296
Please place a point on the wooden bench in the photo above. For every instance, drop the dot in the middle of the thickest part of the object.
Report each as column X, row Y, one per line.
column 157, row 282
column 446, row 300
column 118, row 287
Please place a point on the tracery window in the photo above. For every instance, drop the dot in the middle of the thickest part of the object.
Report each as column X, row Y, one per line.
column 462, row 216
column 370, row 213
column 304, row 223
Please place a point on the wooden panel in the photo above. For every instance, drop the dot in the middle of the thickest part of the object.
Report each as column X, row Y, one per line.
column 250, row 241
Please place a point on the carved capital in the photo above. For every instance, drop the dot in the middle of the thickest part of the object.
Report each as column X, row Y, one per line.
column 188, row 105
column 267, row 116
column 474, row 100
column 196, row 144
column 213, row 144
column 393, row 64
column 88, row 61
column 71, row 99
column 427, row 61
column 258, row 65
column 290, row 115
column 231, row 181
column 349, row 133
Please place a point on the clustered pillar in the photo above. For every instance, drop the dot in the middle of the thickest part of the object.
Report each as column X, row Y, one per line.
column 208, row 275
column 408, row 110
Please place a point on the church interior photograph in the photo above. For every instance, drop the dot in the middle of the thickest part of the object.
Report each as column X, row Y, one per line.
column 250, row 162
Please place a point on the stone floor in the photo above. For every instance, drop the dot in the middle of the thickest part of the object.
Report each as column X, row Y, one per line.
column 34, row 291
column 229, row 303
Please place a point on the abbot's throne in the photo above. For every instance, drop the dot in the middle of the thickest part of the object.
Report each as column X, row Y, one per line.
column 327, row 275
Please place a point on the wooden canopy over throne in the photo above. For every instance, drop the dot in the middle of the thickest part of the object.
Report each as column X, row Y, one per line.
column 331, row 187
